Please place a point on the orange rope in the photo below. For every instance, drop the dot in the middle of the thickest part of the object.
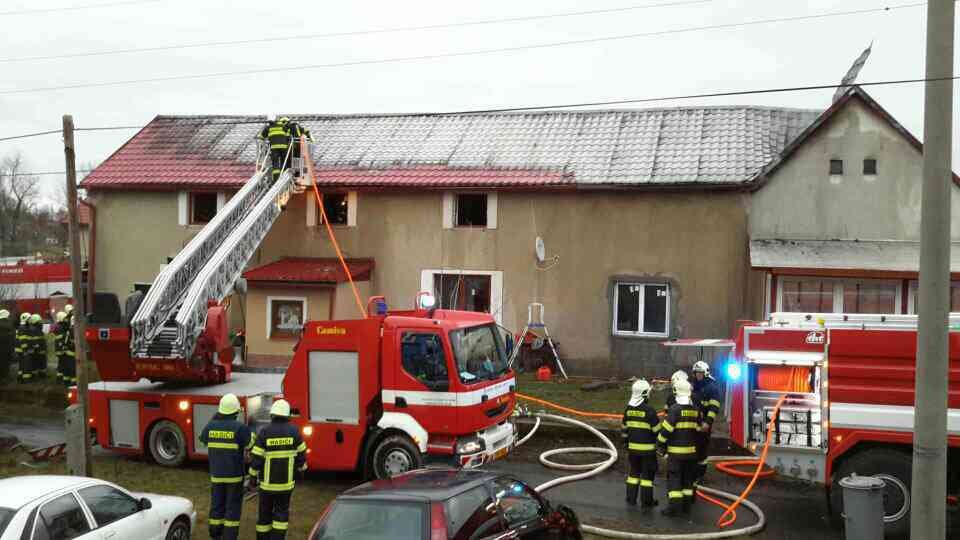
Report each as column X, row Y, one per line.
column 569, row 410
column 333, row 238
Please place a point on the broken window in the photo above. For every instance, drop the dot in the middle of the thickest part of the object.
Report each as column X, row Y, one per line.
column 471, row 210
column 870, row 166
column 203, row 206
column 642, row 308
column 836, row 166
column 335, row 207
column 462, row 291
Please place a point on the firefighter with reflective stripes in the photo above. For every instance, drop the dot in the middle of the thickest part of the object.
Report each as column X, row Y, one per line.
column 227, row 439
column 707, row 393
column 6, row 343
column 277, row 134
column 38, row 346
column 678, row 440
column 61, row 342
column 278, row 455
column 21, row 349
column 640, row 426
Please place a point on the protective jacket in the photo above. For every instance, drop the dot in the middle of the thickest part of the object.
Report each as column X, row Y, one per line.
column 707, row 397
column 678, row 432
column 278, row 134
column 226, row 438
column 642, row 425
column 277, row 455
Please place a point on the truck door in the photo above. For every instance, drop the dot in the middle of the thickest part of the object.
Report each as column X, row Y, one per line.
column 423, row 380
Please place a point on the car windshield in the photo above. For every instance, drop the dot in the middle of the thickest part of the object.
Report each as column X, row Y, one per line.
column 479, row 353
column 6, row 514
column 373, row 520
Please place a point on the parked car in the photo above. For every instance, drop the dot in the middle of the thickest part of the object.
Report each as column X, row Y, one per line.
column 66, row 507
column 444, row 505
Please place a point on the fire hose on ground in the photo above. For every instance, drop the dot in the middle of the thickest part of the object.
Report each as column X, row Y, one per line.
column 589, row 470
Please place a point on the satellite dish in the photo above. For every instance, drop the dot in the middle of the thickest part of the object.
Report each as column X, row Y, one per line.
column 540, row 250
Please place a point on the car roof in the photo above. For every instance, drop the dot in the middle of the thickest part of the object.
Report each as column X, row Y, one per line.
column 20, row 490
column 430, row 484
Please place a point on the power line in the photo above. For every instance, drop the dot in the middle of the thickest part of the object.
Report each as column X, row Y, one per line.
column 454, row 54
column 42, row 173
column 27, row 135
column 75, row 8
column 678, row 97
column 347, row 33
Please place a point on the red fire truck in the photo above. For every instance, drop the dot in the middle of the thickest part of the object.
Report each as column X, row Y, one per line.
column 849, row 381
column 378, row 395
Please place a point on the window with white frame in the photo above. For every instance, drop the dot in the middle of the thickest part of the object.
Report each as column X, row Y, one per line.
column 834, row 295
column 641, row 309
column 913, row 300
column 470, row 210
column 470, row 290
column 285, row 316
column 340, row 207
column 199, row 207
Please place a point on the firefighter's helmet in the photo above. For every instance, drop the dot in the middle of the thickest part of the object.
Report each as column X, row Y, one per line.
column 280, row 407
column 35, row 319
column 683, row 390
column 24, row 318
column 639, row 392
column 702, row 367
column 61, row 316
column 229, row 404
column 284, row 119
column 68, row 309
column 4, row 314
column 678, row 375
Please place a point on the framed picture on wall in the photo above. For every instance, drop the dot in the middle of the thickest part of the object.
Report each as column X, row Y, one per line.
column 286, row 317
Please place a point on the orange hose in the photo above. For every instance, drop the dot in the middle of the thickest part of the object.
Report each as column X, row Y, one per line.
column 569, row 410
column 763, row 458
column 729, row 467
column 333, row 238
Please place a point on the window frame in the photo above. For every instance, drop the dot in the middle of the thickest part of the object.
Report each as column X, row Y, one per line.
column 37, row 516
column 456, row 209
column 640, row 333
column 443, row 349
column 838, row 286
column 269, row 304
column 315, row 219
column 89, row 507
column 913, row 287
column 449, row 210
column 496, row 285
column 876, row 167
column 191, row 206
column 830, row 170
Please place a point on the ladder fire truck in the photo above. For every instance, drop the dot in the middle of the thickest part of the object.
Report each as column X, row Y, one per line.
column 849, row 381
column 378, row 394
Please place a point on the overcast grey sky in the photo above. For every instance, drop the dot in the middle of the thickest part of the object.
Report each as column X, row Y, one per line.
column 781, row 54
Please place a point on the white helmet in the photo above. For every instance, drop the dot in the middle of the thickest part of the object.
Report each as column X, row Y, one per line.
column 4, row 314
column 683, row 390
column 280, row 407
column 68, row 308
column 639, row 392
column 229, row 405
column 678, row 375
column 702, row 367
column 24, row 318
column 61, row 316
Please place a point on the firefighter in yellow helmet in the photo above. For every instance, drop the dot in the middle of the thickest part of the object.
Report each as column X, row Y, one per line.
column 278, row 455
column 6, row 343
column 227, row 438
column 277, row 134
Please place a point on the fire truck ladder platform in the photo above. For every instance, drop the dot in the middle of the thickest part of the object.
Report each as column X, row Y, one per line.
column 173, row 312
column 240, row 384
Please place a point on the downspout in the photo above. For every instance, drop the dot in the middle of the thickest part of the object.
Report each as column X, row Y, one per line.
column 91, row 252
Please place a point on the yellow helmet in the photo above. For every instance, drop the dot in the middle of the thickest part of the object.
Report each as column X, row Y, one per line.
column 61, row 316
column 229, row 404
column 280, row 408
column 284, row 119
column 35, row 319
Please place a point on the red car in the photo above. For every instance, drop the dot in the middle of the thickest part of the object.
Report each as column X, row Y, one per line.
column 445, row 505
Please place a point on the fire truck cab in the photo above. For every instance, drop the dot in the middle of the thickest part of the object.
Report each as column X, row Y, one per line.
column 849, row 382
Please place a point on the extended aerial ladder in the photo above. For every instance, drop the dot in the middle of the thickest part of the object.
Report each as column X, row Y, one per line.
column 165, row 332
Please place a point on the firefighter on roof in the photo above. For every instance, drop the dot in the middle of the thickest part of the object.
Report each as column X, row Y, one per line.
column 277, row 456
column 38, row 347
column 640, row 426
column 227, row 440
column 6, row 343
column 277, row 134
column 707, row 394
column 22, row 348
column 678, row 440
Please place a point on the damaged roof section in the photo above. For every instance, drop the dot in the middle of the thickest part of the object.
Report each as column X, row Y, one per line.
column 687, row 146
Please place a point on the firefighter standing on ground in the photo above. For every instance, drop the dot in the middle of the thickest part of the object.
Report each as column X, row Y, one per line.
column 678, row 375
column 277, row 456
column 277, row 134
column 707, row 398
column 678, row 440
column 227, row 439
column 640, row 425
column 6, row 343
column 22, row 348
column 38, row 346
column 66, row 350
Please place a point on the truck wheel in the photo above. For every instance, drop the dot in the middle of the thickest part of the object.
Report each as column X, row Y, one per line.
column 895, row 468
column 395, row 454
column 167, row 444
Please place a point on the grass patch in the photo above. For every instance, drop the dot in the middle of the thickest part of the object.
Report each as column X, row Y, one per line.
column 568, row 394
column 192, row 481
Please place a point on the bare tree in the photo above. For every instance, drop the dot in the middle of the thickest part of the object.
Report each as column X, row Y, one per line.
column 18, row 197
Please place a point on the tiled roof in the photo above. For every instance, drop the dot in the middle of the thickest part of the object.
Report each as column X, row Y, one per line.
column 672, row 146
column 310, row 270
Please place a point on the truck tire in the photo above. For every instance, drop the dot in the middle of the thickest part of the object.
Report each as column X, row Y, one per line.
column 167, row 445
column 395, row 454
column 895, row 468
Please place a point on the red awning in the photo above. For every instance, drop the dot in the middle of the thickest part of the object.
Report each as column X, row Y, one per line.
column 310, row 270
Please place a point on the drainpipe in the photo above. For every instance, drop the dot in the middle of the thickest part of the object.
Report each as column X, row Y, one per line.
column 91, row 252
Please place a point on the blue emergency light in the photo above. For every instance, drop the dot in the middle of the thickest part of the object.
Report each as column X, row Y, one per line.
column 381, row 307
column 733, row 370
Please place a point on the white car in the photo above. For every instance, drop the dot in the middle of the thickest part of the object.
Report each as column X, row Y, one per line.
column 65, row 507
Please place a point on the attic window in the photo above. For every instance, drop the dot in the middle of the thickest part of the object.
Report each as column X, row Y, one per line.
column 335, row 207
column 471, row 210
column 836, row 166
column 203, row 206
column 870, row 166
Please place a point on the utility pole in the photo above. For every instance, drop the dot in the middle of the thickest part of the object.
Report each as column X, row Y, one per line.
column 929, row 491
column 79, row 463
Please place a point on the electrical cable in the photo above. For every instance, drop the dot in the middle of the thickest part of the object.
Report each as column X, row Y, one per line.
column 347, row 33
column 75, row 8
column 401, row 59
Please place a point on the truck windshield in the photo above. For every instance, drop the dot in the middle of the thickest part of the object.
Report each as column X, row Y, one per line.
column 479, row 353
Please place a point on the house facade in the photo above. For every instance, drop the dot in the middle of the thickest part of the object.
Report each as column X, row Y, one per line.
column 644, row 217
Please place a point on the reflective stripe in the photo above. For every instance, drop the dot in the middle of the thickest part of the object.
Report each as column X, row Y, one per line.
column 635, row 413
column 302, row 447
column 666, row 425
column 280, row 525
column 687, row 425
column 688, row 412
column 656, row 428
column 712, row 414
column 226, row 479
column 714, row 402
column 228, row 523
column 681, row 449
column 661, row 438
column 224, row 445
column 257, row 451
column 646, row 483
column 276, row 487
column 688, row 493
column 264, row 528
column 253, row 441
column 281, row 454
column 212, row 521
column 632, row 481
column 253, row 472
column 640, row 446
column 638, row 425
column 675, row 494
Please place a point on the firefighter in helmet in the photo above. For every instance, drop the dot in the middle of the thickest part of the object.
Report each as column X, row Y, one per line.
column 227, row 440
column 277, row 134
column 66, row 350
column 278, row 455
column 678, row 441
column 678, row 375
column 6, row 343
column 59, row 331
column 707, row 392
column 38, row 346
column 640, row 428
column 22, row 349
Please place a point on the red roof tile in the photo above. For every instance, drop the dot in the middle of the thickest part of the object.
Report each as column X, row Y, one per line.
column 310, row 270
